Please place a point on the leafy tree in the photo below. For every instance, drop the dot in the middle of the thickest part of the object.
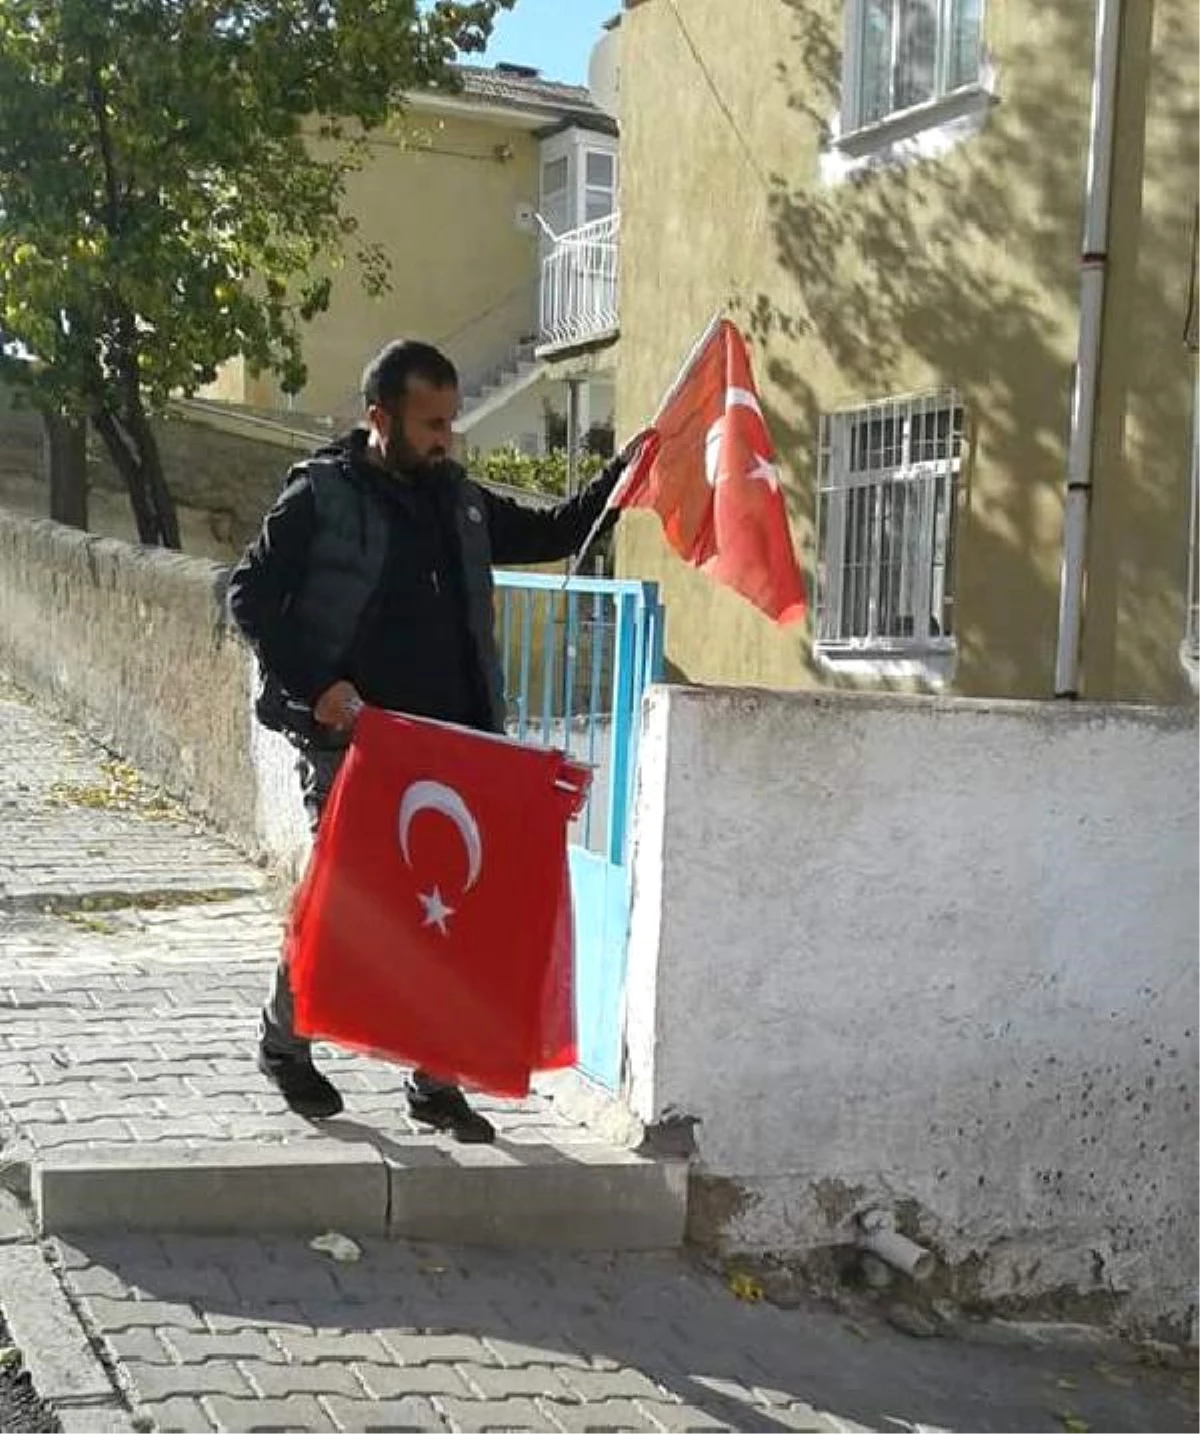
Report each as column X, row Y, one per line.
column 172, row 178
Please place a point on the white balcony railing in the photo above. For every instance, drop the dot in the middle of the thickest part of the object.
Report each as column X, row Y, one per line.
column 579, row 284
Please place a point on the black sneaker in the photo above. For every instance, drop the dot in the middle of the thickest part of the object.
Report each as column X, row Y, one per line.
column 302, row 1085
column 447, row 1109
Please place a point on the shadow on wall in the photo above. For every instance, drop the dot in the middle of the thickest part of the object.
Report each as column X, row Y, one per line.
column 883, row 279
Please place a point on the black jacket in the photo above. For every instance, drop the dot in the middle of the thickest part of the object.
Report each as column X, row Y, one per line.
column 412, row 648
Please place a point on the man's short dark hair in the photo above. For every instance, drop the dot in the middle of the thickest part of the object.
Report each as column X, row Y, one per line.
column 385, row 378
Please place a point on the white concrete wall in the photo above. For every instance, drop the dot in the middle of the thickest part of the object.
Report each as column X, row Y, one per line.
column 936, row 955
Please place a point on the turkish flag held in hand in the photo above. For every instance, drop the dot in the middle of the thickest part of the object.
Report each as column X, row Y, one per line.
column 434, row 923
column 708, row 470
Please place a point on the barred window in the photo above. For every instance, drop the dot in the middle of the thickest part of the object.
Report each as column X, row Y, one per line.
column 889, row 474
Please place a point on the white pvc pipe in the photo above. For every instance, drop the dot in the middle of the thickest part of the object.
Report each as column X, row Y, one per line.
column 1094, row 262
column 1191, row 632
column 879, row 1236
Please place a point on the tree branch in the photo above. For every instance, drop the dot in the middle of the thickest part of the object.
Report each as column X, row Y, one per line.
column 99, row 102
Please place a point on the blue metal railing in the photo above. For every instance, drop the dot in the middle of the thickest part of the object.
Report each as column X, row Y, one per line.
column 577, row 660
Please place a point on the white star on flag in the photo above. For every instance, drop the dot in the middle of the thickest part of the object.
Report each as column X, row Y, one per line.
column 437, row 913
column 764, row 471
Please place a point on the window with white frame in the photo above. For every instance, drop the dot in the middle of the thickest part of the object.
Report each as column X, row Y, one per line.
column 889, row 475
column 579, row 179
column 599, row 184
column 904, row 53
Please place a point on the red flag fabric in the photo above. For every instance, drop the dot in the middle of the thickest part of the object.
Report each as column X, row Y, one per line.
column 433, row 925
column 708, row 470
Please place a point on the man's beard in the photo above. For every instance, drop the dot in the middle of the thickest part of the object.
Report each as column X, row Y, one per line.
column 401, row 457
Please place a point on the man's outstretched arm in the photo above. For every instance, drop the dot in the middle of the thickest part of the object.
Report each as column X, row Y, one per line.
column 524, row 535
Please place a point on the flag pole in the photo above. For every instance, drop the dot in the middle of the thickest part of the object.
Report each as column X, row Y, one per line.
column 695, row 351
column 622, row 483
column 693, row 354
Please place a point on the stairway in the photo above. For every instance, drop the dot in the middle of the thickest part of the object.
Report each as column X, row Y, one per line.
column 519, row 372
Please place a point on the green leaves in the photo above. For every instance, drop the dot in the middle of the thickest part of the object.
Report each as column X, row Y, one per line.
column 162, row 209
column 514, row 469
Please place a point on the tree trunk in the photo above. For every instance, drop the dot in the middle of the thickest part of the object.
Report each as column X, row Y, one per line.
column 65, row 450
column 134, row 450
column 150, row 458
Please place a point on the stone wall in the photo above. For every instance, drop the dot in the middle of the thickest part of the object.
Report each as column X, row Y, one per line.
column 133, row 643
column 224, row 468
column 933, row 956
column 221, row 473
column 223, row 482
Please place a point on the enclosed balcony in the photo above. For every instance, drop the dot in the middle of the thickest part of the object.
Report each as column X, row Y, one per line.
column 579, row 286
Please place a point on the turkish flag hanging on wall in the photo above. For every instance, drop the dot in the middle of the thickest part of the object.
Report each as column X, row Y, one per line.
column 434, row 923
column 708, row 470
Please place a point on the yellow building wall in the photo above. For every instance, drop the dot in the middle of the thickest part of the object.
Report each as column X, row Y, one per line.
column 464, row 273
column 957, row 271
column 1136, row 610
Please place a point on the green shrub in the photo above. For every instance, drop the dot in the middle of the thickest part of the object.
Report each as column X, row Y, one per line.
column 514, row 469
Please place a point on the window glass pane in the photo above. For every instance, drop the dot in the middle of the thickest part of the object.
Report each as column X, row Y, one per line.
column 875, row 75
column 892, row 508
column 936, row 435
column 824, row 519
column 964, row 43
column 939, row 595
column 875, row 444
column 856, row 600
column 557, row 207
column 601, row 169
column 916, row 52
column 554, row 176
column 597, row 204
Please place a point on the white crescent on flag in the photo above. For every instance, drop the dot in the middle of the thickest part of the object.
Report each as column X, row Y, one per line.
column 763, row 471
column 743, row 397
column 427, row 796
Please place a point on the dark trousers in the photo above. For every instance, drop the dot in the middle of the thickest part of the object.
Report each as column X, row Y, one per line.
column 318, row 768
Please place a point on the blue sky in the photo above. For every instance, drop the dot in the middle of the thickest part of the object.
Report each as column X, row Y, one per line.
column 555, row 36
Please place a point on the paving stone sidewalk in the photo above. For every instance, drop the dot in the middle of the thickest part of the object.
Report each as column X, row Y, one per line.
column 134, row 955
column 213, row 1334
column 133, row 952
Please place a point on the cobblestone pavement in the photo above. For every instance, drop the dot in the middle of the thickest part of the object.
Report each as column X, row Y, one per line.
column 258, row 1334
column 134, row 954
column 128, row 1011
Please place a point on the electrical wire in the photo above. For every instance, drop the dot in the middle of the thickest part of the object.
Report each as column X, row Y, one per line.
column 730, row 118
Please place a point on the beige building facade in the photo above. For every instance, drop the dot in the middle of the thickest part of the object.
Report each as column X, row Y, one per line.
column 889, row 198
column 463, row 196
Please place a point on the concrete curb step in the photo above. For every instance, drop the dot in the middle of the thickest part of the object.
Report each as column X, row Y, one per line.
column 577, row 1197
column 97, row 900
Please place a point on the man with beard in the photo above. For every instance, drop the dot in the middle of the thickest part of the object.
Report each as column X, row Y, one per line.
column 371, row 583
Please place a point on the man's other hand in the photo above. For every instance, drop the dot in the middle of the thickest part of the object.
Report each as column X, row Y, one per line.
column 338, row 707
column 631, row 449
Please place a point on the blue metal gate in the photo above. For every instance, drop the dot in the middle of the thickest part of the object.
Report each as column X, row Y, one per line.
column 577, row 660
